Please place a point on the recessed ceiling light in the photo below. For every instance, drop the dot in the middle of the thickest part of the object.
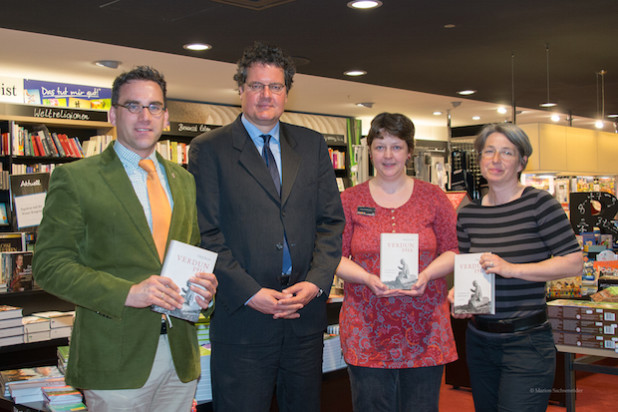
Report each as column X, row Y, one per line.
column 197, row 46
column 555, row 117
column 598, row 124
column 466, row 92
column 110, row 64
column 502, row 110
column 476, row 117
column 437, row 113
column 364, row 4
column 355, row 73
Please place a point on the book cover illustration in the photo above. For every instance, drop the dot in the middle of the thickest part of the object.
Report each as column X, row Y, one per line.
column 183, row 261
column 28, row 193
column 474, row 288
column 399, row 259
column 12, row 241
column 16, row 270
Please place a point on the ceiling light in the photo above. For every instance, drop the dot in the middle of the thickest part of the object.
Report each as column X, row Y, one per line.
column 601, row 113
column 197, row 46
column 437, row 113
column 110, row 64
column 355, row 73
column 466, row 92
column 555, row 117
column 368, row 105
column 612, row 116
column 502, row 110
column 547, row 102
column 449, row 26
column 476, row 117
column 364, row 4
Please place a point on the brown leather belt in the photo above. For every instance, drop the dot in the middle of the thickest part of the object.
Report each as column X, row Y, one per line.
column 509, row 325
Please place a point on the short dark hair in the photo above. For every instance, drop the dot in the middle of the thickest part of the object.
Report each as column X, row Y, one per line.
column 261, row 53
column 139, row 73
column 513, row 133
column 395, row 124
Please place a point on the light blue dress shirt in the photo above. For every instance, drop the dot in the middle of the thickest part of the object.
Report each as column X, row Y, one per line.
column 138, row 177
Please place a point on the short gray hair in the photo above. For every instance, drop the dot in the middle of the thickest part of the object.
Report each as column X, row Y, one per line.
column 513, row 133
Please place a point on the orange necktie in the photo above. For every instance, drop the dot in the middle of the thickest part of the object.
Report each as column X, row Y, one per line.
column 159, row 206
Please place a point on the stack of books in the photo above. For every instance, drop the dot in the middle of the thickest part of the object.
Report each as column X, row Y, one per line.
column 36, row 329
column 11, row 328
column 204, row 390
column 332, row 358
column 61, row 323
column 63, row 358
column 24, row 385
column 61, row 395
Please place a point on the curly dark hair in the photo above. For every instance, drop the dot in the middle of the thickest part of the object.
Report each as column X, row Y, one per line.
column 265, row 54
column 139, row 73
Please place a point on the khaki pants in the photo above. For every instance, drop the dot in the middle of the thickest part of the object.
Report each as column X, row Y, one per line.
column 162, row 392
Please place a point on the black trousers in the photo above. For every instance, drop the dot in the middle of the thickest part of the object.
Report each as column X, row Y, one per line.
column 244, row 377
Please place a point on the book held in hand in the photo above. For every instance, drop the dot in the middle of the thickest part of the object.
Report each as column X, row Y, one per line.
column 474, row 288
column 399, row 259
column 182, row 262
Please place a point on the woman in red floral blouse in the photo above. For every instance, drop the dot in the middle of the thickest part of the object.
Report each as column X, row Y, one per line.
column 396, row 341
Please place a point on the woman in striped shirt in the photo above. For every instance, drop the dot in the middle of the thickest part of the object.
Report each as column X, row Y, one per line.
column 525, row 239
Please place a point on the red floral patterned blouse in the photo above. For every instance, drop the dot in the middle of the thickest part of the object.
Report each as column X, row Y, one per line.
column 397, row 332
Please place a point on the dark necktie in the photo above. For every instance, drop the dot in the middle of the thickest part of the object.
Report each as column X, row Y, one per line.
column 269, row 159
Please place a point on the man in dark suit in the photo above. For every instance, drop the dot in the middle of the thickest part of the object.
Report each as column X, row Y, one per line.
column 268, row 203
column 98, row 248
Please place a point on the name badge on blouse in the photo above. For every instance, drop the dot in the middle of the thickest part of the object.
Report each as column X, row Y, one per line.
column 366, row 211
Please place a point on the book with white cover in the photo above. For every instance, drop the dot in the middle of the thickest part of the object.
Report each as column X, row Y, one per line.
column 474, row 288
column 399, row 259
column 182, row 262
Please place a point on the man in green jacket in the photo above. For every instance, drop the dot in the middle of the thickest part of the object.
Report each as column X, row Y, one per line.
column 96, row 248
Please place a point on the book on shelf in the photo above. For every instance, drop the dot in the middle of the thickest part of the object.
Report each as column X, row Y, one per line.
column 40, row 336
column 474, row 288
column 70, row 407
column 10, row 312
column 12, row 340
column 12, row 241
column 399, row 259
column 11, row 323
column 35, row 324
column 57, row 319
column 28, row 195
column 11, row 331
column 183, row 261
column 16, row 271
column 14, row 380
column 61, row 394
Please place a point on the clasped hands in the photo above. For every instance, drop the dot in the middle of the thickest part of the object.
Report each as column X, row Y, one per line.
column 374, row 283
column 284, row 304
column 162, row 291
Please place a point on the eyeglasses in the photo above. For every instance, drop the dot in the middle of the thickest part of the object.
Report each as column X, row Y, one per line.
column 155, row 109
column 506, row 154
column 257, row 87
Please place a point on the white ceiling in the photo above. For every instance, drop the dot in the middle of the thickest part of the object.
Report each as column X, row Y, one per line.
column 51, row 58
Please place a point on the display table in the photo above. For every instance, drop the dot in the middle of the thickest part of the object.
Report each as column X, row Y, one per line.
column 584, row 363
